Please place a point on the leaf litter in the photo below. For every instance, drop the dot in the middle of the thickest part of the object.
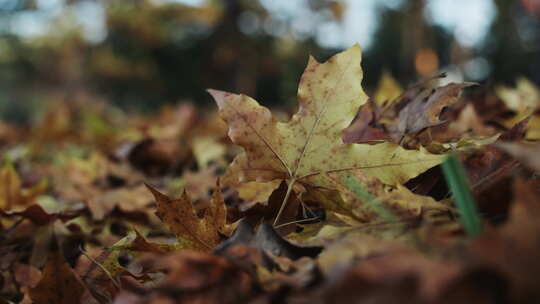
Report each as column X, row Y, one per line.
column 343, row 202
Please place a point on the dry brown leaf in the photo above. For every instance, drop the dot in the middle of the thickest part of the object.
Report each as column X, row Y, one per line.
column 361, row 130
column 424, row 109
column 193, row 232
column 59, row 284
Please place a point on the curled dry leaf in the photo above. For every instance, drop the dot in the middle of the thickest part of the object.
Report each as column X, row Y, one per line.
column 424, row 109
column 310, row 144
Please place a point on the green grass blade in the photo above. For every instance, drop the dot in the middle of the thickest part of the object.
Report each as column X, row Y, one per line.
column 458, row 184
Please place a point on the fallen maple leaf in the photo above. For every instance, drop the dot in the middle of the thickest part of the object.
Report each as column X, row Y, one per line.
column 310, row 144
column 193, row 232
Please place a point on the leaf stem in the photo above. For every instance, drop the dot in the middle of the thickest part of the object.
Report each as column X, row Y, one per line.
column 284, row 203
column 296, row 222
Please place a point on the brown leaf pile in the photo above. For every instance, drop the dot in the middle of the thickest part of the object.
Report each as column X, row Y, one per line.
column 342, row 203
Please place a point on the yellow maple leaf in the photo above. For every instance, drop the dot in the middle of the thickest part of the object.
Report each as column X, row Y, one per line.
column 301, row 150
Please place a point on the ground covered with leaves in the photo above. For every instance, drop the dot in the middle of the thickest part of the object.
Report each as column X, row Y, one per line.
column 343, row 201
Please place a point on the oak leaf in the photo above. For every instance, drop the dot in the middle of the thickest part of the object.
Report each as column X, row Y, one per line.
column 311, row 144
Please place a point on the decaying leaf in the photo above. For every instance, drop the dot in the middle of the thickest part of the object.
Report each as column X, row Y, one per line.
column 310, row 144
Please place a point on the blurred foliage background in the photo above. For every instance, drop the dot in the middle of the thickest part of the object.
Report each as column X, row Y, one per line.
column 141, row 54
